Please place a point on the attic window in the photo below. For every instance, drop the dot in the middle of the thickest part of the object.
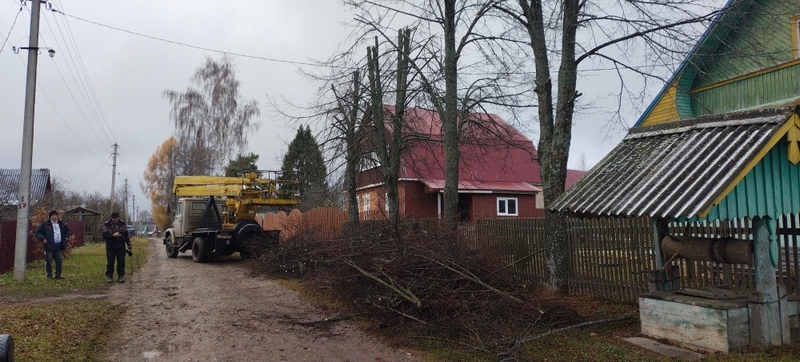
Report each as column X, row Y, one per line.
column 507, row 206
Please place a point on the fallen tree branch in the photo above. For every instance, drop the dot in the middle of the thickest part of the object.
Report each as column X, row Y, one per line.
column 402, row 292
column 521, row 342
column 400, row 313
column 467, row 274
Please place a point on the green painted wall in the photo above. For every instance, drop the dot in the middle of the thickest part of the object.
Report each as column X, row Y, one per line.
column 763, row 39
column 771, row 188
column 783, row 84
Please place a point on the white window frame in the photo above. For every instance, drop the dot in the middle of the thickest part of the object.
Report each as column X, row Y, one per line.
column 366, row 202
column 504, row 202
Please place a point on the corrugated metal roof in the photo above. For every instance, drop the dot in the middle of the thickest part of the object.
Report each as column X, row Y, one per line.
column 481, row 186
column 9, row 185
column 675, row 169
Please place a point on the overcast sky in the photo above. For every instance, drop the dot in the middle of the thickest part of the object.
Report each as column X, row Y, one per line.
column 104, row 86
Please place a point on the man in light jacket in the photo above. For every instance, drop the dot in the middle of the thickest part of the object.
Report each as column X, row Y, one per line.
column 54, row 235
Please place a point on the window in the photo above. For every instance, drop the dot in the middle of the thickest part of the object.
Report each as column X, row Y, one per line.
column 507, row 206
column 366, row 202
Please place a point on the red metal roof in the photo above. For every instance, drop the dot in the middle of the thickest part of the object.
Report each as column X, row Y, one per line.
column 572, row 177
column 479, row 186
column 494, row 154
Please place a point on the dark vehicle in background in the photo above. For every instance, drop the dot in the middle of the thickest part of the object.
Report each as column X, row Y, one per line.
column 131, row 230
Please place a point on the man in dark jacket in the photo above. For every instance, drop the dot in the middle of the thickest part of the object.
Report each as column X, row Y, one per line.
column 115, row 232
column 54, row 236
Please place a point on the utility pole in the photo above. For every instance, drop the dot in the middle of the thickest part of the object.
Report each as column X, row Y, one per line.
column 133, row 210
column 21, row 249
column 114, row 171
column 125, row 201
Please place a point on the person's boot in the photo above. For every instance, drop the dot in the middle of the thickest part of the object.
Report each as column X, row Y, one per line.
column 122, row 279
column 109, row 280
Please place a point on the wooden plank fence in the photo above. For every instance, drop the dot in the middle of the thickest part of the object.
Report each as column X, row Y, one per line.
column 610, row 256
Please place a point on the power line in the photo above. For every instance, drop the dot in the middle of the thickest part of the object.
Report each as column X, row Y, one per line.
column 295, row 62
column 9, row 30
column 94, row 174
column 40, row 89
column 82, row 91
column 85, row 73
column 82, row 80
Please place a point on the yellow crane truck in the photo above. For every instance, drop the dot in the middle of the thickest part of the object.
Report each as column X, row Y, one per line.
column 215, row 215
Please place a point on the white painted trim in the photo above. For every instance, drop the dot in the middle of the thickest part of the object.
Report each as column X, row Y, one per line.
column 516, row 206
column 381, row 184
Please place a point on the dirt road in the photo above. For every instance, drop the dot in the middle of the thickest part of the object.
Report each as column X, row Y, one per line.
column 185, row 311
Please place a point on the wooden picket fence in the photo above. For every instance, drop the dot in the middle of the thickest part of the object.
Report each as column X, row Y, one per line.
column 610, row 257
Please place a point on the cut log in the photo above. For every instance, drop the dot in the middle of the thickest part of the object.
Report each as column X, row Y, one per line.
column 721, row 250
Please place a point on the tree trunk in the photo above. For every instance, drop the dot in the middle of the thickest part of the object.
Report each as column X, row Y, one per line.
column 392, row 174
column 450, row 117
column 351, row 156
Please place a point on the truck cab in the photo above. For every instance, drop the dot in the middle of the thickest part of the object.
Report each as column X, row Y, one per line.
column 197, row 225
column 188, row 215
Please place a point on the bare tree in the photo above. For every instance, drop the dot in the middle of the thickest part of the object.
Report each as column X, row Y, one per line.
column 663, row 29
column 450, row 65
column 211, row 122
column 389, row 150
column 345, row 119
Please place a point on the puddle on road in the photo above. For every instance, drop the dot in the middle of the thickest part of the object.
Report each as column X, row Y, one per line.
column 151, row 354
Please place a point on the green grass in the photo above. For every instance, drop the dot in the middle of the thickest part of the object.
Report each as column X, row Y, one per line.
column 83, row 271
column 48, row 328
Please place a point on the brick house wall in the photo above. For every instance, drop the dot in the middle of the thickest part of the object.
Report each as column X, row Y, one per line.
column 416, row 203
column 484, row 206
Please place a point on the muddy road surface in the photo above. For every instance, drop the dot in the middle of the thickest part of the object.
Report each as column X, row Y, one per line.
column 179, row 310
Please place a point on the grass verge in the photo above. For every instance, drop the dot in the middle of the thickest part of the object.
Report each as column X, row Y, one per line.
column 52, row 320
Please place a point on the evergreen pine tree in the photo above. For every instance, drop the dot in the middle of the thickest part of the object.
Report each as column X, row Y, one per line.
column 304, row 160
column 243, row 163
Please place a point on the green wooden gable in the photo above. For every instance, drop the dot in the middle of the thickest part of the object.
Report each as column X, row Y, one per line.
column 747, row 59
column 771, row 188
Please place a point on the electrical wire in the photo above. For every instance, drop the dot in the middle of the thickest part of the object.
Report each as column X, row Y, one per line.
column 85, row 73
column 40, row 89
column 295, row 62
column 85, row 85
column 12, row 28
column 95, row 173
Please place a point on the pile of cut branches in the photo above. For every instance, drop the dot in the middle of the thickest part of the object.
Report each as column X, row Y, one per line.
column 423, row 277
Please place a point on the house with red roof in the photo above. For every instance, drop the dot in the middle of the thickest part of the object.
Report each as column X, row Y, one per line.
column 498, row 172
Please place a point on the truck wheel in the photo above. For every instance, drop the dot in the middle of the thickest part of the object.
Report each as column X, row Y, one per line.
column 6, row 348
column 199, row 252
column 172, row 251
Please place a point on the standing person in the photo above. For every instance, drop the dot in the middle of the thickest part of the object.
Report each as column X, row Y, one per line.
column 54, row 236
column 115, row 232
